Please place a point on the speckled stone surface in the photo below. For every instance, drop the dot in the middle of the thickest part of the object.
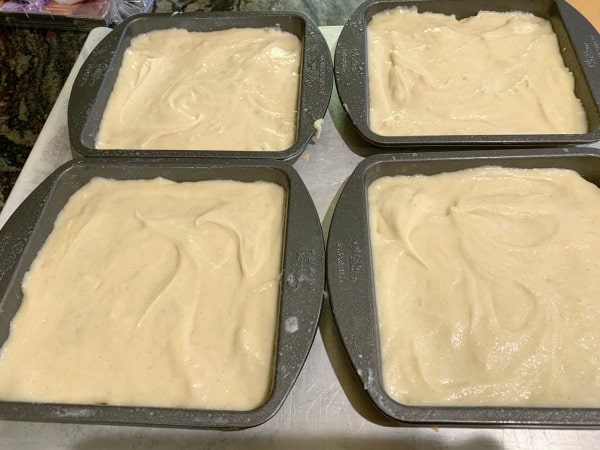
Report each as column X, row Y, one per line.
column 332, row 12
column 35, row 63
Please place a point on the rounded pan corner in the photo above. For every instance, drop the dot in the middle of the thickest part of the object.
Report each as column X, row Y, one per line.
column 586, row 44
column 592, row 136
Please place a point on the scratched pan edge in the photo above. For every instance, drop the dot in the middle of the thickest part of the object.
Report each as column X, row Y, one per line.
column 351, row 287
column 94, row 82
column 580, row 48
column 301, row 288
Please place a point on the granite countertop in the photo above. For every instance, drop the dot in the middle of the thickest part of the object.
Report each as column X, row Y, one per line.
column 36, row 60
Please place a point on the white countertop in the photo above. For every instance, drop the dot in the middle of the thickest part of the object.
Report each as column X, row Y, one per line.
column 326, row 408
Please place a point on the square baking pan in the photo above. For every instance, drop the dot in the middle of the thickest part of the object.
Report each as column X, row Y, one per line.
column 300, row 297
column 94, row 83
column 350, row 282
column 579, row 45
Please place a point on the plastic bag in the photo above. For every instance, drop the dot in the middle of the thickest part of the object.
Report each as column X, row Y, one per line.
column 122, row 9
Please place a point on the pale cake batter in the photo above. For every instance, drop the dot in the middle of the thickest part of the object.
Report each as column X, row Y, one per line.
column 152, row 293
column 494, row 73
column 487, row 287
column 234, row 89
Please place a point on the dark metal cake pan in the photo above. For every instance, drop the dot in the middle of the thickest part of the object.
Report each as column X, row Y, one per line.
column 301, row 287
column 98, row 74
column 351, row 286
column 579, row 44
